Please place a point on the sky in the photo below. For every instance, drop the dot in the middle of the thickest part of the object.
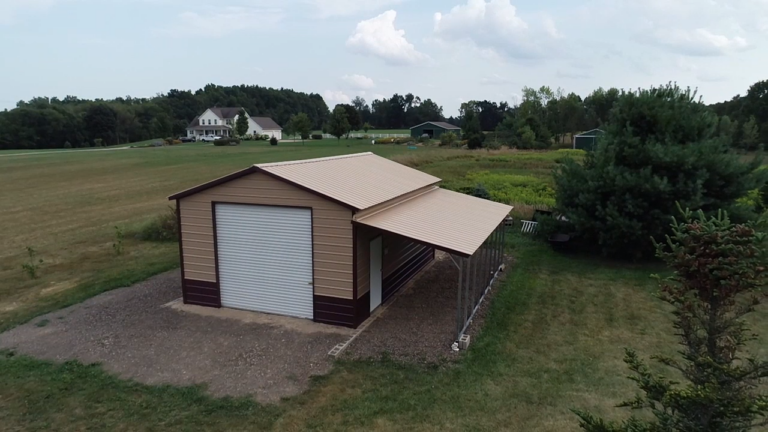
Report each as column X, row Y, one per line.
column 450, row 51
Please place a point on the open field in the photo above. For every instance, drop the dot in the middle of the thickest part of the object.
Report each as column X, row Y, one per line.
column 66, row 205
column 553, row 339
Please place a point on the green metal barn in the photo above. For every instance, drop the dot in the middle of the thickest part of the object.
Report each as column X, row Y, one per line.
column 588, row 140
column 434, row 129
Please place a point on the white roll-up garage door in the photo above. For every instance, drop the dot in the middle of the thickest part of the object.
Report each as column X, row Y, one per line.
column 265, row 258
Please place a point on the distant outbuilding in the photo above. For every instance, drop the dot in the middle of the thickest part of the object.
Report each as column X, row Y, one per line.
column 434, row 129
column 587, row 141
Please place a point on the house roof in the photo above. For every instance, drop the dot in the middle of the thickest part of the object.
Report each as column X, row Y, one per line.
column 357, row 181
column 208, row 127
column 591, row 133
column 450, row 221
column 226, row 113
column 440, row 124
column 266, row 123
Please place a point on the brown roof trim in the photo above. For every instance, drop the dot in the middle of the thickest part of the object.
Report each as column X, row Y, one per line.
column 438, row 247
column 252, row 170
column 213, row 183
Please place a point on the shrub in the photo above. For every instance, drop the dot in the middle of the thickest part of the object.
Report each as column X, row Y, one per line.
column 163, row 228
column 317, row 136
column 33, row 264
column 273, row 141
column 304, row 137
column 481, row 192
column 67, row 145
column 176, row 142
column 117, row 246
column 514, row 189
column 448, row 139
column 98, row 142
column 475, row 141
column 385, row 141
column 660, row 148
column 265, row 137
column 226, row 142
column 404, row 140
column 424, row 138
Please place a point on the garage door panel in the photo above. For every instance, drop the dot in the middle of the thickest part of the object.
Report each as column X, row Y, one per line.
column 265, row 258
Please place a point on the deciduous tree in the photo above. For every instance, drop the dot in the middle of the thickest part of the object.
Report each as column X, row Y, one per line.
column 338, row 125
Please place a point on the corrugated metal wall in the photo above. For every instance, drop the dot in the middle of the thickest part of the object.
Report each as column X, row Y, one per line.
column 332, row 230
column 400, row 256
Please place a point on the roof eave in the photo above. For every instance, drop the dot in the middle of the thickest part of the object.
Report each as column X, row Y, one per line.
column 212, row 183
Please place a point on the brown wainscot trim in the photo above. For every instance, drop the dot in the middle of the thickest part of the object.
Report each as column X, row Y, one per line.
column 201, row 293
column 335, row 311
column 363, row 308
column 403, row 274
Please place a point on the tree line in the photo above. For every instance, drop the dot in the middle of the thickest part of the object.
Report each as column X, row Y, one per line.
column 73, row 122
column 543, row 117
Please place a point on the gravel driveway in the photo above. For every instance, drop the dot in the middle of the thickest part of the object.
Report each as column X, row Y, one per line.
column 133, row 333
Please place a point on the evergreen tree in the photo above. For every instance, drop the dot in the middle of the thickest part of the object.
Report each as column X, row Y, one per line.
column 241, row 125
column 719, row 273
column 660, row 148
column 750, row 135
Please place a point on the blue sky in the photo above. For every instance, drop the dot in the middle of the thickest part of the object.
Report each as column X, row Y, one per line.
column 447, row 50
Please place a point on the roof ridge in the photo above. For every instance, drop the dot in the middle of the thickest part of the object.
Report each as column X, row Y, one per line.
column 306, row 161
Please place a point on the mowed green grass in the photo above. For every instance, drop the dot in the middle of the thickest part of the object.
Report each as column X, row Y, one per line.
column 66, row 206
column 553, row 340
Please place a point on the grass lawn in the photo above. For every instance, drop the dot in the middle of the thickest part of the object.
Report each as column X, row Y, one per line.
column 553, row 340
column 66, row 206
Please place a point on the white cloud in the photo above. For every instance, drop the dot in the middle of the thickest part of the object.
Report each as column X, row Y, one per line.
column 335, row 97
column 328, row 8
column 699, row 42
column 359, row 82
column 218, row 22
column 378, row 37
column 551, row 28
column 494, row 28
column 495, row 79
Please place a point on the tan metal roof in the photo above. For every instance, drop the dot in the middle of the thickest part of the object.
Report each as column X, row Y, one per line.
column 447, row 220
column 360, row 180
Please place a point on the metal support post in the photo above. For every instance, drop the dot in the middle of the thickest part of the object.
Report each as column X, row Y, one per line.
column 459, row 322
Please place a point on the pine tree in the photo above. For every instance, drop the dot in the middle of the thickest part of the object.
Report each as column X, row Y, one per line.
column 719, row 278
column 660, row 148
column 241, row 124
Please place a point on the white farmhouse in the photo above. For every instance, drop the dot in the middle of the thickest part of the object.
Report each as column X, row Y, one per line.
column 221, row 122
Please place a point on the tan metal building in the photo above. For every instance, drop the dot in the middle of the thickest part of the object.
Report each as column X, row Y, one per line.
column 327, row 239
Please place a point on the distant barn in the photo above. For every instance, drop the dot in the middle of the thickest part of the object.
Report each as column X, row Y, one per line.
column 434, row 129
column 587, row 141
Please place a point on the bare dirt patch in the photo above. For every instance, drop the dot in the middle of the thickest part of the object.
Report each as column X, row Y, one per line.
column 132, row 334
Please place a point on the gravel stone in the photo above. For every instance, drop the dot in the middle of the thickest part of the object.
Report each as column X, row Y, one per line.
column 419, row 325
column 132, row 334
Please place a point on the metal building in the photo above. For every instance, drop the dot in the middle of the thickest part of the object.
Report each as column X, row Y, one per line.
column 330, row 239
